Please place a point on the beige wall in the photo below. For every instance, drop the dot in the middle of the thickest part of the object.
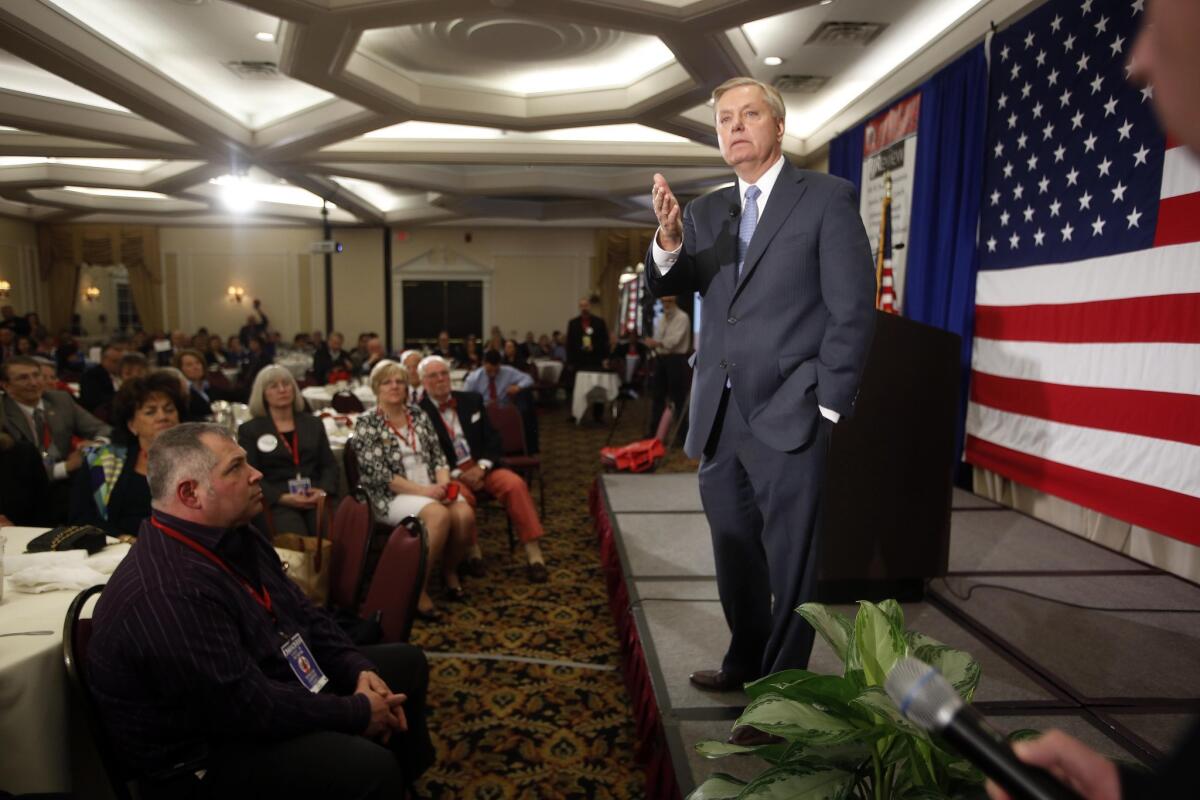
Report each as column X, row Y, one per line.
column 533, row 277
column 18, row 266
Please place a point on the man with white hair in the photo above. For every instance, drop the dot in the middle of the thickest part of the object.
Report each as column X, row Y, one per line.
column 203, row 651
column 472, row 447
column 411, row 361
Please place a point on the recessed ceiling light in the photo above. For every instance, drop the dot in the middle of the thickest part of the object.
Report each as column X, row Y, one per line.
column 265, row 36
column 772, row 61
column 826, row 2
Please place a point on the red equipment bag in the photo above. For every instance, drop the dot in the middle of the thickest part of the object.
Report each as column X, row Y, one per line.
column 634, row 457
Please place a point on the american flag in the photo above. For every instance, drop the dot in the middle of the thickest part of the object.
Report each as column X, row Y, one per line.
column 1086, row 364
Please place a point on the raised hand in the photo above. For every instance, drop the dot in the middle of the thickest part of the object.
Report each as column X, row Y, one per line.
column 666, row 208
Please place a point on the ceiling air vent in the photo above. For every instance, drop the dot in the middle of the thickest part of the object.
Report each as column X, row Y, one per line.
column 254, row 70
column 857, row 34
column 800, row 84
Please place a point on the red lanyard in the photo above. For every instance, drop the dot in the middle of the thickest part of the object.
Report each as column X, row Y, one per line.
column 263, row 597
column 411, row 439
column 293, row 447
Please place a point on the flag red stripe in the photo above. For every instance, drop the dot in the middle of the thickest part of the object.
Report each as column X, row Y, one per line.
column 1160, row 510
column 1162, row 318
column 1177, row 220
column 1161, row 415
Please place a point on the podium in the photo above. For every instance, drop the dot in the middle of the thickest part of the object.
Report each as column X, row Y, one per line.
column 886, row 505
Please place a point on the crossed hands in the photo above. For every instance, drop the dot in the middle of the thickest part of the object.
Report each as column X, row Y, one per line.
column 387, row 709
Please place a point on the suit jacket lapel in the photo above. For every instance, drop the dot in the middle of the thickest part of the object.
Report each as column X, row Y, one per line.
column 18, row 423
column 725, row 224
column 788, row 189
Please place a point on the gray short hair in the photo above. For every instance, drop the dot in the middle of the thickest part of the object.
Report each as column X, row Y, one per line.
column 265, row 378
column 429, row 361
column 179, row 454
column 770, row 94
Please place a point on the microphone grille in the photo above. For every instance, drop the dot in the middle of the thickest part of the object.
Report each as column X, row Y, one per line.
column 922, row 694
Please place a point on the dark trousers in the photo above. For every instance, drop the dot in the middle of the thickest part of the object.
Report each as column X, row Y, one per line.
column 670, row 382
column 328, row 765
column 763, row 509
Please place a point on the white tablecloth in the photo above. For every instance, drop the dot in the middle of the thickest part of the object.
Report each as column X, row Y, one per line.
column 36, row 754
column 320, row 397
column 548, row 370
column 585, row 382
column 296, row 363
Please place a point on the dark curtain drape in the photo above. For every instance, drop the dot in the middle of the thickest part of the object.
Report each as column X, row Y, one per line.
column 846, row 155
column 948, row 183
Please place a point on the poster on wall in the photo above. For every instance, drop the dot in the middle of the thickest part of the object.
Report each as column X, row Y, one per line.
column 890, row 152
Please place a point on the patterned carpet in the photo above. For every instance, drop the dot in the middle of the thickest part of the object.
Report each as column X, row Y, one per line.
column 526, row 700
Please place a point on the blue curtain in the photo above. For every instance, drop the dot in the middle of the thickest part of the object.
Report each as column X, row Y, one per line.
column 947, row 191
column 846, row 155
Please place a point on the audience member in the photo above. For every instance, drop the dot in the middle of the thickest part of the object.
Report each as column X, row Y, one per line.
column 374, row 354
column 472, row 446
column 26, row 346
column 201, row 391
column 452, row 353
column 67, row 355
column 10, row 321
column 36, row 329
column 99, row 384
column 558, row 346
column 359, row 354
column 410, row 360
column 471, row 357
column 24, row 487
column 110, row 491
column 330, row 357
column 50, row 379
column 291, row 450
column 528, row 348
column 236, row 355
column 8, row 344
column 405, row 473
column 202, row 648
column 214, row 353
column 504, row 385
column 256, row 325
column 256, row 360
column 133, row 365
column 587, row 349
column 513, row 355
column 628, row 356
column 672, row 341
column 49, row 420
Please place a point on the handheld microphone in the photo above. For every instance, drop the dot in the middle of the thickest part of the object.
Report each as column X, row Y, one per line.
column 929, row 701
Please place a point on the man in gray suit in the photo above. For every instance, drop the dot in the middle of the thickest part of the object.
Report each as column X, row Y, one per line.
column 47, row 419
column 784, row 268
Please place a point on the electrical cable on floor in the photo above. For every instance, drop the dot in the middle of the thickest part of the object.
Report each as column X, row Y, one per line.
column 1068, row 604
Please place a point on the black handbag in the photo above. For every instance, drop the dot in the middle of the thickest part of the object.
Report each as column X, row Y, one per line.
column 69, row 537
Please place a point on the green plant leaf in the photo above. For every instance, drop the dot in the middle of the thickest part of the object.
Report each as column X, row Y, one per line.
column 797, row 721
column 719, row 786
column 964, row 772
column 894, row 612
column 880, row 644
column 797, row 783
column 773, row 753
column 875, row 701
column 956, row 666
column 834, row 627
column 799, row 684
column 849, row 756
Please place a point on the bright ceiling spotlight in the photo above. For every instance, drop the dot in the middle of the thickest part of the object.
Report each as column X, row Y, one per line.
column 236, row 193
column 265, row 36
column 772, row 61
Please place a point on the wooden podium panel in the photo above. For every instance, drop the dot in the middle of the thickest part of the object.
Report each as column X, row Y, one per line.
column 886, row 515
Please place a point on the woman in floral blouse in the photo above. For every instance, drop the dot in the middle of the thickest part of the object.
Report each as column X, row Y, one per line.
column 404, row 473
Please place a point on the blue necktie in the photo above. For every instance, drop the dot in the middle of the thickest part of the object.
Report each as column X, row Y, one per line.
column 747, row 225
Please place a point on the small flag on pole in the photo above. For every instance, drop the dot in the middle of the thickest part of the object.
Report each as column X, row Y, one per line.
column 885, row 281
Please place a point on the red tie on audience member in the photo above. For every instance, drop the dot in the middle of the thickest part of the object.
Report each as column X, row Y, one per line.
column 452, row 403
column 492, row 389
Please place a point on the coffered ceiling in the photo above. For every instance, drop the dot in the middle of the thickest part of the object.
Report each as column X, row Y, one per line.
column 406, row 112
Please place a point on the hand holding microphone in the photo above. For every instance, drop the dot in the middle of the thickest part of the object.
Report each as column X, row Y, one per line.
column 929, row 701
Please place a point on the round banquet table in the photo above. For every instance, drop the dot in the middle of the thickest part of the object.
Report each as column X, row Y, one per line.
column 585, row 382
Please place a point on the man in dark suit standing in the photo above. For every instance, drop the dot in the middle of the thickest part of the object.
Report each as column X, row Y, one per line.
column 587, row 348
column 784, row 268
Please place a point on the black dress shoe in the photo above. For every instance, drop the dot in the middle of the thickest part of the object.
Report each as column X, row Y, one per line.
column 456, row 594
column 715, row 680
column 537, row 572
column 746, row 736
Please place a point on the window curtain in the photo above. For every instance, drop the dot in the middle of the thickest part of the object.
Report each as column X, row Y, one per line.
column 63, row 249
column 947, row 187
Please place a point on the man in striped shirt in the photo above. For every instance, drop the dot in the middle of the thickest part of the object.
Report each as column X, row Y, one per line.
column 204, row 652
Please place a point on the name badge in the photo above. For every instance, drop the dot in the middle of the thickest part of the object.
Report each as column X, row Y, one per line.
column 300, row 486
column 267, row 443
column 475, row 417
column 305, row 667
column 462, row 452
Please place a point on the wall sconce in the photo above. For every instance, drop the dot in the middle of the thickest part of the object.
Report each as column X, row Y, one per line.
column 5, row 288
column 235, row 294
column 92, row 294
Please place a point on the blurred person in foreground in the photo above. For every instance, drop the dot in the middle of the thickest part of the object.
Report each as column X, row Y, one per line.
column 204, row 652
column 1166, row 57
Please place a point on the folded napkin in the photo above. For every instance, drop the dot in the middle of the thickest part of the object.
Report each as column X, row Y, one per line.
column 15, row 562
column 107, row 559
column 35, row 580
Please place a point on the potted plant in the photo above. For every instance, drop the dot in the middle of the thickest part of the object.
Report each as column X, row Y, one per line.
column 842, row 736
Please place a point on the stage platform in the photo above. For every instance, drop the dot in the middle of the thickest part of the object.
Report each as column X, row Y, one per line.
column 1069, row 634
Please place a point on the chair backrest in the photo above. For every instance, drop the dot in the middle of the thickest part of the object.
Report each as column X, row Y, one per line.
column 396, row 586
column 346, row 402
column 351, row 536
column 507, row 422
column 77, row 635
column 350, row 464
